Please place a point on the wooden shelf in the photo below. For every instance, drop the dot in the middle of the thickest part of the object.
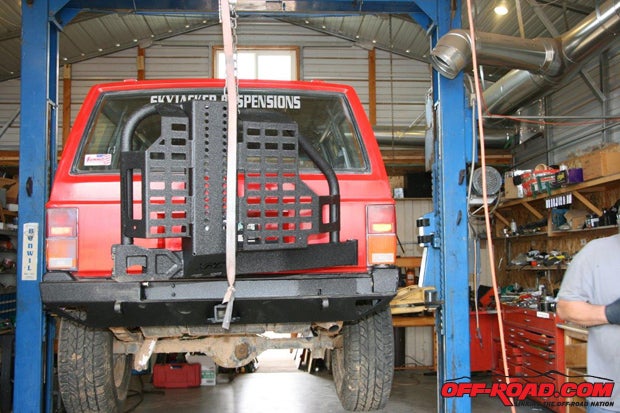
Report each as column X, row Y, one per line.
column 528, row 235
column 590, row 196
column 408, row 262
column 577, row 190
column 537, row 268
column 568, row 232
column 563, row 190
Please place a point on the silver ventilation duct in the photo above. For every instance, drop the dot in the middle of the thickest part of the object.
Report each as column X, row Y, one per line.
column 538, row 64
column 495, row 138
column 453, row 52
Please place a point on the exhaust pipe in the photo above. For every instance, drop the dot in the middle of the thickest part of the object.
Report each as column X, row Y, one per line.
column 538, row 64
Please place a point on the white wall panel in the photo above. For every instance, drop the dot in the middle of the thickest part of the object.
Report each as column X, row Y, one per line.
column 408, row 210
column 167, row 62
column 419, row 346
column 577, row 99
column 614, row 81
column 402, row 85
column 613, row 101
column 9, row 104
column 116, row 66
column 339, row 64
column 322, row 57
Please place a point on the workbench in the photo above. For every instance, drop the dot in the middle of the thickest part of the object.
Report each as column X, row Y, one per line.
column 418, row 321
column 482, row 349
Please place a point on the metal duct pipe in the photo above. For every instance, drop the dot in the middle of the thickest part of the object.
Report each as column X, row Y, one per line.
column 495, row 138
column 538, row 66
column 453, row 52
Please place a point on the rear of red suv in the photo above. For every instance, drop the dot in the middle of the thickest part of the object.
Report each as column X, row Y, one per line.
column 136, row 234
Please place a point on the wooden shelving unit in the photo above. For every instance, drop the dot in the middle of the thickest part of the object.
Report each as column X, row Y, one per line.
column 591, row 196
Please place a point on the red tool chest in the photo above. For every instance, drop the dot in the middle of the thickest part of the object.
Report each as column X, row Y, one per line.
column 535, row 350
column 176, row 375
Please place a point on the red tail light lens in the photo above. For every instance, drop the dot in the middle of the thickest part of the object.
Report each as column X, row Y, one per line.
column 62, row 242
column 381, row 234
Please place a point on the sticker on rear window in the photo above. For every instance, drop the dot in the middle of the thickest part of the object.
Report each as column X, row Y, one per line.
column 98, row 159
column 245, row 101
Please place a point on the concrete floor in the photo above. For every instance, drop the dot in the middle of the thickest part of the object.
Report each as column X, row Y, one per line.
column 279, row 387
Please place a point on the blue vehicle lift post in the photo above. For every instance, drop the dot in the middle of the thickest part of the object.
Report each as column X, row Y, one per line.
column 447, row 254
column 41, row 22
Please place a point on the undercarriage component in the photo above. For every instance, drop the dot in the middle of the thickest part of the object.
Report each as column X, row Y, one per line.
column 227, row 351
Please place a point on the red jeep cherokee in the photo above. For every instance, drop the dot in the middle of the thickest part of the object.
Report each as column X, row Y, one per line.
column 136, row 235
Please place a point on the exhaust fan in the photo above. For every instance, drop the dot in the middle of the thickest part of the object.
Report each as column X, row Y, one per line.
column 494, row 185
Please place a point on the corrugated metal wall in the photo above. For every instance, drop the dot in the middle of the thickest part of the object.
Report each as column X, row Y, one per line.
column 9, row 105
column 418, row 340
column 419, row 346
column 401, row 83
column 564, row 138
column 322, row 57
column 408, row 210
column 401, row 90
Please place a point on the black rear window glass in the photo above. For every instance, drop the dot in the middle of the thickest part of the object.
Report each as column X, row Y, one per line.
column 324, row 119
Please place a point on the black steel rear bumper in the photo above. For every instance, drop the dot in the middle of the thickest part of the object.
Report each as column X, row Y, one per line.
column 259, row 299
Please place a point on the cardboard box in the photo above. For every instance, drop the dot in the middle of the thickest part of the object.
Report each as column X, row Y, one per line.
column 576, row 218
column 12, row 193
column 11, row 186
column 208, row 368
column 599, row 163
column 512, row 191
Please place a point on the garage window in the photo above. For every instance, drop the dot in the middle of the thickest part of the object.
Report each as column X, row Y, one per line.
column 262, row 63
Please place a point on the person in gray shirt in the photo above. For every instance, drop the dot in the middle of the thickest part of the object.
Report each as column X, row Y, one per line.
column 590, row 296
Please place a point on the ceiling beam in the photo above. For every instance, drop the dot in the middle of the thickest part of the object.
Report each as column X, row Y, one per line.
column 573, row 6
column 281, row 8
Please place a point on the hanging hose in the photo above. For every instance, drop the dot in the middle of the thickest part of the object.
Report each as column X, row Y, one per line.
column 487, row 218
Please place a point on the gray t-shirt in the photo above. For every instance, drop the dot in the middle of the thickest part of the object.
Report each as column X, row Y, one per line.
column 594, row 276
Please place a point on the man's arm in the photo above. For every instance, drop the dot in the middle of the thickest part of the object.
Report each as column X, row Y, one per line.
column 581, row 312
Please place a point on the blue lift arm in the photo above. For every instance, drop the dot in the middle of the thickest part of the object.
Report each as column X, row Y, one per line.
column 41, row 22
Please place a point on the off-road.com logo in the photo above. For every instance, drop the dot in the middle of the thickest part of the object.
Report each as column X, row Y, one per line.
column 520, row 391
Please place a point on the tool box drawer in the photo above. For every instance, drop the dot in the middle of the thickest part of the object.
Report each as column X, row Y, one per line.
column 176, row 375
column 533, row 320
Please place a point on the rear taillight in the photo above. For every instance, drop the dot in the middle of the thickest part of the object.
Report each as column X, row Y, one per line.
column 62, row 242
column 381, row 234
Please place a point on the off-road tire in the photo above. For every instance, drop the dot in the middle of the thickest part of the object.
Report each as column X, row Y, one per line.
column 363, row 366
column 90, row 377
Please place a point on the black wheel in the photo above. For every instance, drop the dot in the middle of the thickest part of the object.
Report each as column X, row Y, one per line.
column 91, row 378
column 363, row 366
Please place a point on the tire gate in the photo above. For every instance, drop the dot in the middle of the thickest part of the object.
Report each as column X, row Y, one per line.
column 447, row 258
